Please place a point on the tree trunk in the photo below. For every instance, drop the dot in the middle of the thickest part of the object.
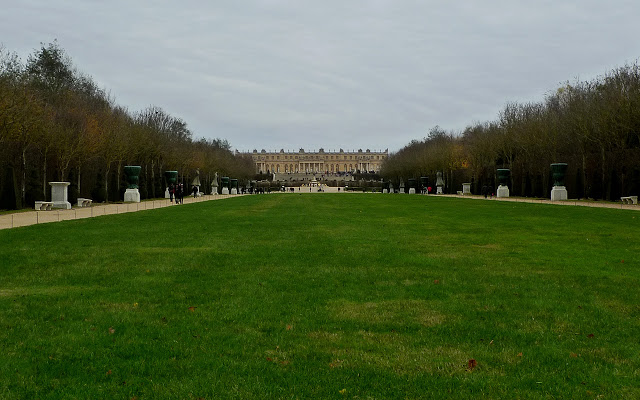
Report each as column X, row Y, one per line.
column 546, row 184
column 106, row 182
column 118, row 179
column 79, row 180
column 153, row 181
column 23, row 178
column 604, row 173
column 584, row 175
column 44, row 176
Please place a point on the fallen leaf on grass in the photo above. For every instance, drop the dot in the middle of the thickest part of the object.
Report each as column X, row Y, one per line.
column 471, row 364
column 192, row 309
column 111, row 330
column 289, row 327
column 343, row 391
column 109, row 372
column 436, row 281
column 590, row 335
column 269, row 359
column 519, row 354
column 573, row 355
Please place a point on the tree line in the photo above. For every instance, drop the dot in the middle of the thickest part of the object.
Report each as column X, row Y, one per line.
column 56, row 124
column 594, row 126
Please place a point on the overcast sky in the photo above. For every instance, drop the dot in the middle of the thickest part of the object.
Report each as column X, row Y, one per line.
column 335, row 74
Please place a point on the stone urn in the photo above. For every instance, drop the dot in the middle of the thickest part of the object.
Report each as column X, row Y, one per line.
column 412, row 185
column 558, row 172
column 224, row 181
column 171, row 176
column 503, row 176
column 132, row 173
column 424, row 183
column 234, row 186
column 503, row 180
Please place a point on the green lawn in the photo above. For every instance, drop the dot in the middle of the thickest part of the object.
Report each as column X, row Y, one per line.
column 324, row 296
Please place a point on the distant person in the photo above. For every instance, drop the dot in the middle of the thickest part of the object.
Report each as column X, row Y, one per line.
column 485, row 191
column 172, row 192
column 181, row 193
column 194, row 190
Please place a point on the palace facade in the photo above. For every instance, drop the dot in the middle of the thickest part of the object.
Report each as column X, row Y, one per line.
column 318, row 161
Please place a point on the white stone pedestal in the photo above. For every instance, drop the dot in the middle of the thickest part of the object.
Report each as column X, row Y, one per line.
column 385, row 191
column 59, row 195
column 503, row 191
column 234, row 191
column 559, row 193
column 466, row 189
column 214, row 190
column 439, row 190
column 225, row 190
column 412, row 191
column 166, row 194
column 132, row 196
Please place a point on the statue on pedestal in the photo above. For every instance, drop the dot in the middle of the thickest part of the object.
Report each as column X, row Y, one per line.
column 214, row 185
column 439, row 183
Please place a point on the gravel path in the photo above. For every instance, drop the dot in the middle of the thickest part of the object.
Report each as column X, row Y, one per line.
column 15, row 220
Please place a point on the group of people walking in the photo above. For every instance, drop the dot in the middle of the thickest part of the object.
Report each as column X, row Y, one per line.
column 176, row 192
column 487, row 191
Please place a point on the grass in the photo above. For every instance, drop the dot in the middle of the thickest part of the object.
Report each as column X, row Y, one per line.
column 324, row 296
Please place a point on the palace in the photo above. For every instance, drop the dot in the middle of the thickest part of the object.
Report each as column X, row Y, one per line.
column 318, row 162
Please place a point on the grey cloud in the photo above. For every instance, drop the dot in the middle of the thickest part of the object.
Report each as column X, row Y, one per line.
column 289, row 74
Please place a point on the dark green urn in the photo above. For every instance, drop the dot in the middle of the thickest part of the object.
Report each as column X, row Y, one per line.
column 412, row 183
column 424, row 182
column 558, row 172
column 171, row 177
column 503, row 176
column 225, row 182
column 234, row 184
column 132, row 173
